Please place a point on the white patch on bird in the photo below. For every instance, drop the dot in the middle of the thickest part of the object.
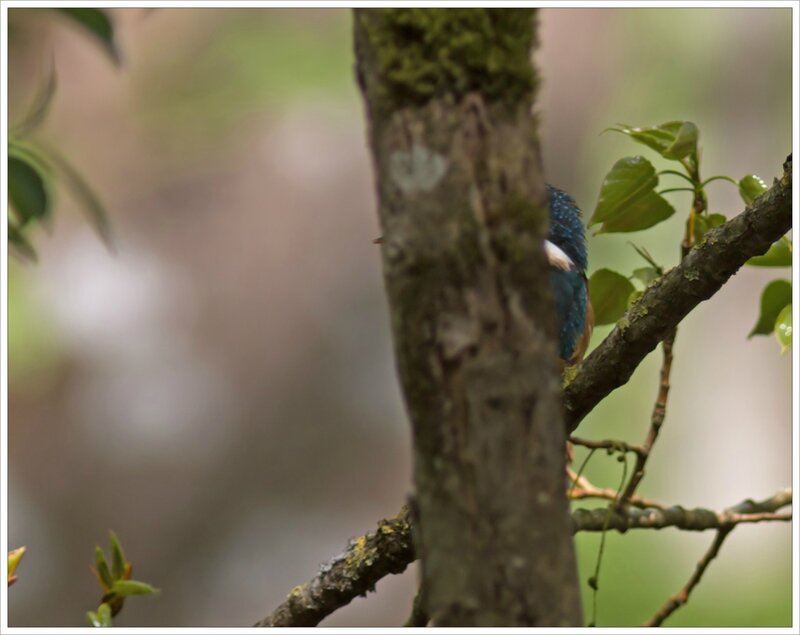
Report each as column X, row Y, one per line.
column 557, row 258
column 417, row 170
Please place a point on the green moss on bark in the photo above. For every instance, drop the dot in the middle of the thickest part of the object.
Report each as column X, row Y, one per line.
column 421, row 54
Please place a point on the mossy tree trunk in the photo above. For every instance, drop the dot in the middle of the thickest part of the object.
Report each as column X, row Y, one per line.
column 462, row 207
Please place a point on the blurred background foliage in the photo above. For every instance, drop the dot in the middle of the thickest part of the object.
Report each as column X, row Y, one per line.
column 222, row 392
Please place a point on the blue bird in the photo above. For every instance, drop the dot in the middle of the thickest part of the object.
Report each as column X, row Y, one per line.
column 565, row 248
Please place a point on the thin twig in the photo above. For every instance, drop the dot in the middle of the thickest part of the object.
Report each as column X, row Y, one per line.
column 594, row 581
column 698, row 519
column 656, row 420
column 682, row 596
column 583, row 488
column 606, row 444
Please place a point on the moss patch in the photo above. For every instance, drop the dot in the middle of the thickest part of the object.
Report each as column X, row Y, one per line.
column 420, row 54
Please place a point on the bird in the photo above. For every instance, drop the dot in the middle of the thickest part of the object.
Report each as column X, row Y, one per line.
column 565, row 248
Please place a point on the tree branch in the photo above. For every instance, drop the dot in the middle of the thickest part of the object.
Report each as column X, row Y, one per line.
column 369, row 558
column 672, row 296
column 698, row 519
column 354, row 572
column 656, row 420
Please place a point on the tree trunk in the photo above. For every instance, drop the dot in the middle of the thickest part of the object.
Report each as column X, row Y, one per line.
column 463, row 211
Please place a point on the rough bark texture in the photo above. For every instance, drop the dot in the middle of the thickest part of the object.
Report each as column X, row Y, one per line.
column 671, row 297
column 353, row 572
column 462, row 208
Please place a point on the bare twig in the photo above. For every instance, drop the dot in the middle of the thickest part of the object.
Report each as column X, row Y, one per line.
column 583, row 488
column 682, row 596
column 656, row 420
column 614, row 445
column 698, row 519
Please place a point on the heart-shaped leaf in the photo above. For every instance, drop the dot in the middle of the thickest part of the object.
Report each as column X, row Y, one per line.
column 628, row 201
column 751, row 187
column 776, row 295
column 672, row 140
column 778, row 255
column 609, row 292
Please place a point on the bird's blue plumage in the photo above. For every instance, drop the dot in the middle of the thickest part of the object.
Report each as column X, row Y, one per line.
column 569, row 284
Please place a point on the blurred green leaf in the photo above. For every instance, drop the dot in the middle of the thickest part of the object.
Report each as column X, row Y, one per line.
column 117, row 557
column 627, row 200
column 632, row 298
column 17, row 240
column 776, row 295
column 778, row 255
column 100, row 619
column 85, row 195
column 751, row 187
column 645, row 274
column 609, row 292
column 14, row 557
column 99, row 24
column 704, row 222
column 101, row 567
column 125, row 588
column 783, row 328
column 40, row 105
column 104, row 615
column 672, row 140
column 27, row 190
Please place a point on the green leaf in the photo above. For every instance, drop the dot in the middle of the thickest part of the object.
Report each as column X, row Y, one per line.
column 778, row 255
column 645, row 274
column 104, row 614
column 783, row 328
column 102, row 568
column 99, row 24
column 27, row 190
column 704, row 222
column 751, row 187
column 609, row 292
column 672, row 140
column 40, row 105
column 632, row 298
column 117, row 557
column 628, row 201
column 92, row 619
column 124, row 588
column 14, row 557
column 83, row 192
column 17, row 240
column 776, row 295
